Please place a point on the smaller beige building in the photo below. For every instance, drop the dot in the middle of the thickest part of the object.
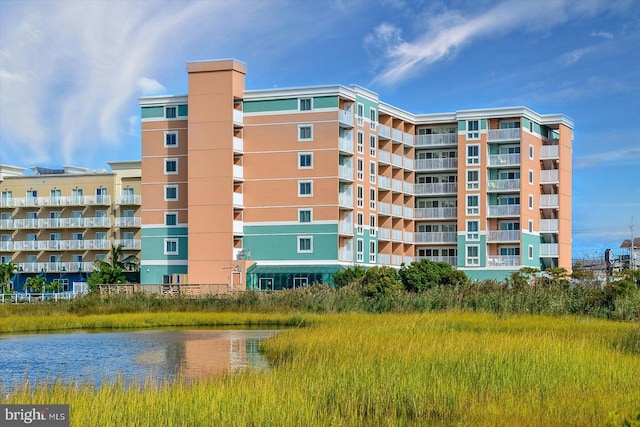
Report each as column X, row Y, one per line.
column 58, row 222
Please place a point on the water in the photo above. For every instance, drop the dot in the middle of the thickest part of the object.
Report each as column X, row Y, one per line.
column 134, row 356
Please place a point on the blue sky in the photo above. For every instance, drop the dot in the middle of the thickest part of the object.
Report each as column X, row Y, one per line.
column 71, row 73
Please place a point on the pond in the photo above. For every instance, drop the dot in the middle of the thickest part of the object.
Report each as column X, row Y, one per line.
column 135, row 356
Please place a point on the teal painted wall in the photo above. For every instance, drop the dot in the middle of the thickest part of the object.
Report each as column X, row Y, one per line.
column 367, row 105
column 153, row 243
column 462, row 125
column 480, row 275
column 483, row 124
column 280, row 242
column 152, row 274
column 270, row 105
column 325, row 102
column 183, row 110
column 533, row 240
column 152, row 112
column 462, row 250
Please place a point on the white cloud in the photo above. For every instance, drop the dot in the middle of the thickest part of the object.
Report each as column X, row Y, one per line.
column 447, row 32
column 575, row 55
column 631, row 155
column 151, row 86
column 603, row 34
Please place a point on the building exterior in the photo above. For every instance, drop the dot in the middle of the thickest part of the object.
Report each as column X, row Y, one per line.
column 278, row 188
column 57, row 222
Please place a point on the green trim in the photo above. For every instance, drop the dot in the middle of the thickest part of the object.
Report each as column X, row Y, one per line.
column 183, row 110
column 164, row 231
column 480, row 275
column 152, row 112
column 483, row 124
column 533, row 240
column 325, row 102
column 280, row 242
column 462, row 125
column 152, row 274
column 270, row 105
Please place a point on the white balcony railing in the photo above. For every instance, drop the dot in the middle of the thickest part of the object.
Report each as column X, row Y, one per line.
column 345, row 173
column 17, row 202
column 503, row 260
column 503, row 236
column 549, row 201
column 436, row 164
column 408, row 237
column 448, row 259
column 436, row 140
column 435, row 213
column 384, row 234
column 396, row 210
column 437, row 237
column 345, row 227
column 55, row 267
column 238, row 144
column 549, row 225
column 345, row 200
column 396, row 160
column 384, row 131
column 407, row 212
column 130, row 243
column 396, row 135
column 345, row 142
column 396, row 185
column 384, row 157
column 503, row 185
column 384, row 259
column 435, row 188
column 345, row 117
column 128, row 222
column 512, row 134
column 238, row 117
column 549, row 176
column 384, row 208
column 407, row 138
column 238, row 172
column 345, row 255
column 384, row 182
column 548, row 249
column 504, row 159
column 396, row 235
column 129, row 199
column 407, row 187
column 238, row 199
column 549, row 152
column 396, row 260
column 504, row 210
column 48, row 245
column 6, row 224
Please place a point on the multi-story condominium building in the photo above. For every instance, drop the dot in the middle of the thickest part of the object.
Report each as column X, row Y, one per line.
column 58, row 222
column 279, row 188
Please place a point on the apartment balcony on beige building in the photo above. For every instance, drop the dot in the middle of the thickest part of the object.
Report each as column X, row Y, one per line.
column 448, row 259
column 57, row 201
column 345, row 173
column 129, row 199
column 548, row 201
column 447, row 163
column 435, row 213
column 345, row 118
column 494, row 135
column 129, row 222
column 424, row 189
column 549, row 176
column 345, row 143
column 384, row 132
column 549, row 152
column 54, row 223
column 503, row 236
column 503, row 211
column 345, row 201
column 384, row 182
column 436, row 237
column 345, row 228
column 549, row 250
column 384, row 208
column 503, row 185
column 548, row 225
column 502, row 160
column 436, row 140
column 503, row 260
column 384, row 234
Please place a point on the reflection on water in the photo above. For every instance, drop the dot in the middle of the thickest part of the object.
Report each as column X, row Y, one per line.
column 135, row 356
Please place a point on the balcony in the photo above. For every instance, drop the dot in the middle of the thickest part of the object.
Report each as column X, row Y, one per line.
column 396, row 185
column 129, row 243
column 384, row 208
column 504, row 210
column 396, row 260
column 407, row 163
column 345, row 143
column 49, row 245
column 396, row 135
column 238, row 228
column 407, row 212
column 384, row 183
column 407, row 138
column 549, row 201
column 384, row 234
column 503, row 260
column 503, row 160
column 549, row 250
column 408, row 237
column 129, row 199
column 6, row 224
column 344, row 255
column 128, row 222
column 435, row 188
column 384, row 157
column 512, row 134
column 238, row 172
column 396, row 210
column 549, row 176
column 549, row 152
column 503, row 185
column 345, row 117
column 33, row 223
column 345, row 173
column 238, row 117
column 6, row 246
column 448, row 259
column 18, row 202
column 549, row 225
column 238, row 144
column 396, row 235
column 238, row 199
column 345, row 201
column 437, row 237
column 436, row 164
column 384, row 132
column 345, row 228
column 408, row 259
column 384, row 259
column 435, row 213
column 503, row 236
column 436, row 140
column 396, row 160
column 56, row 267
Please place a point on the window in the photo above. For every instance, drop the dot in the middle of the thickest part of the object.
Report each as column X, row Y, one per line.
column 510, row 251
column 54, row 236
column 359, row 250
column 101, row 213
column 76, row 236
column 170, row 112
column 530, row 177
column 472, row 230
column 32, row 215
column 170, row 166
column 372, row 225
column 54, row 194
column 530, row 226
column 531, row 152
column 473, row 257
column 170, row 218
column 76, row 214
column 372, row 172
column 473, row 205
column 473, row 154
column 530, row 251
column 32, row 194
column 360, row 143
column 360, row 114
column 305, row 188
column 372, row 118
column 101, row 235
column 101, row 257
column 171, row 139
column 360, row 170
column 305, row 104
column 171, row 246
column 473, row 179
column 360, row 201
column 305, row 244
column 372, row 146
column 304, row 215
column 473, row 129
column 305, row 161
column 170, row 192
column 372, row 251
column 305, row 132
column 54, row 258
column 372, row 198
column 530, row 201
column 360, row 223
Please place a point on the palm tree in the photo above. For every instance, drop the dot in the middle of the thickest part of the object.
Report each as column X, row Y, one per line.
column 117, row 260
column 6, row 271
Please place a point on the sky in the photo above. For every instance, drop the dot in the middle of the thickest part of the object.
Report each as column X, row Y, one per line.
column 71, row 73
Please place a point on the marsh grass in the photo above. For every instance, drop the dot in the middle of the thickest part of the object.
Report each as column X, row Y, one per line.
column 447, row 368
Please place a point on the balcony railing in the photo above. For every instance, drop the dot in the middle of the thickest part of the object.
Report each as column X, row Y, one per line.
column 435, row 213
column 238, row 227
column 512, row 134
column 17, row 202
column 503, row 236
column 408, row 237
column 549, row 201
column 396, row 235
column 407, row 187
column 407, row 138
column 384, row 259
column 345, row 227
column 435, row 188
column 345, row 173
column 384, row 157
column 345, row 117
column 549, row 152
column 396, row 185
column 238, row 199
column 436, row 164
column 384, row 182
column 128, row 222
column 504, row 159
column 407, row 163
column 6, row 224
column 396, row 135
column 238, row 144
column 384, row 131
column 137, row 243
column 396, row 160
column 549, row 176
column 48, row 245
column 35, row 223
column 384, row 234
column 396, row 210
column 55, row 267
column 384, row 208
column 238, row 117
column 437, row 237
column 503, row 260
column 549, row 225
column 129, row 199
column 503, row 185
column 548, row 249
column 396, row 260
column 345, row 255
column 407, row 212
column 448, row 259
column 504, row 210
column 345, row 143
column 436, row 140
column 345, row 201
column 238, row 172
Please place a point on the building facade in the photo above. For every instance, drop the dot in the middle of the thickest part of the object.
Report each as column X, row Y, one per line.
column 278, row 188
column 57, row 222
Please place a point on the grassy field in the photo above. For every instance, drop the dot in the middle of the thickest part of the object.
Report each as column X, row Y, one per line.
column 446, row 368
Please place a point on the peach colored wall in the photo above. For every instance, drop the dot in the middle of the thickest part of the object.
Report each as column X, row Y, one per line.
column 534, row 189
column 565, row 198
